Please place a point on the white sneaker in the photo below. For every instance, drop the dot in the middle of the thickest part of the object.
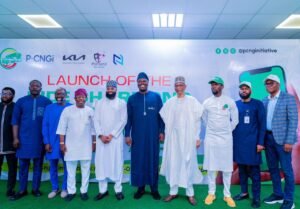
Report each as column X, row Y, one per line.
column 63, row 193
column 53, row 194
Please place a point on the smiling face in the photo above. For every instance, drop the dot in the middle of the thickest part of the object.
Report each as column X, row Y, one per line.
column 80, row 100
column 143, row 84
column 111, row 92
column 60, row 95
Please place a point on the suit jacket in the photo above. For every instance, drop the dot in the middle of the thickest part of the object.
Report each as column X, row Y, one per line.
column 285, row 119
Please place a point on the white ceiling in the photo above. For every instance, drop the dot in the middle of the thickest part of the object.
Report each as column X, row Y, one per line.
column 131, row 19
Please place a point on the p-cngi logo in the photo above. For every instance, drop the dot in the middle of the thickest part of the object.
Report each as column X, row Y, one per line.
column 9, row 58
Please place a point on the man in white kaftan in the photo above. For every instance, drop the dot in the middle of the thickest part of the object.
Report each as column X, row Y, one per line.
column 181, row 115
column 110, row 119
column 221, row 117
column 76, row 130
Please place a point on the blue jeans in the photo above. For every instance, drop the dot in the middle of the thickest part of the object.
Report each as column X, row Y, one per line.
column 37, row 173
column 275, row 154
column 54, row 175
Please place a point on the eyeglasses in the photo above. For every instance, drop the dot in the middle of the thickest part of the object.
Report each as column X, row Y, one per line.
column 6, row 94
column 269, row 83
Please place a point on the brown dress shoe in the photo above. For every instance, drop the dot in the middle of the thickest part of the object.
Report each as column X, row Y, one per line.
column 170, row 198
column 192, row 201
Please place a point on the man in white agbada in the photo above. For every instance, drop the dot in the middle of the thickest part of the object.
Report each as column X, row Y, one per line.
column 77, row 142
column 221, row 117
column 181, row 115
column 110, row 119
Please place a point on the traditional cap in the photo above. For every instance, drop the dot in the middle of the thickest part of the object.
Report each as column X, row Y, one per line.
column 273, row 78
column 80, row 92
column 112, row 83
column 245, row 83
column 142, row 75
column 179, row 79
column 217, row 80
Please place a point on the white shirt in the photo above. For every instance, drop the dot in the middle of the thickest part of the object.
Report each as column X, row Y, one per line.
column 78, row 127
column 182, row 118
column 221, row 116
column 110, row 118
column 271, row 107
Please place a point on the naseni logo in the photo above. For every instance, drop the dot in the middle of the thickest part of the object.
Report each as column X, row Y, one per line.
column 9, row 58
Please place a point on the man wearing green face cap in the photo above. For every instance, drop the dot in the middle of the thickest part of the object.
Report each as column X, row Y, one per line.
column 221, row 117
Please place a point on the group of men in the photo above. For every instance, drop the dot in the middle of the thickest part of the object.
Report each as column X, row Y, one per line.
column 235, row 132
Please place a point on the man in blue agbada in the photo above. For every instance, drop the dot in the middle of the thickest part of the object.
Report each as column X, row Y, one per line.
column 28, row 139
column 248, row 142
column 143, row 131
column 51, row 141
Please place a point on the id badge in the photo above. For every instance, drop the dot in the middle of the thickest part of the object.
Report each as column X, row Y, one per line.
column 246, row 119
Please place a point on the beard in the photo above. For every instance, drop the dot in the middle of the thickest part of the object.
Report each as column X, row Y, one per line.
column 214, row 92
column 60, row 100
column 7, row 101
column 143, row 90
column 245, row 96
column 111, row 96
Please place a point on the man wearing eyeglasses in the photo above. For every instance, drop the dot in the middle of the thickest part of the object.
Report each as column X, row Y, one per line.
column 6, row 138
column 282, row 122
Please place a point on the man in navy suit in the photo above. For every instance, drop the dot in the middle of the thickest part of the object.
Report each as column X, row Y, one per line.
column 282, row 122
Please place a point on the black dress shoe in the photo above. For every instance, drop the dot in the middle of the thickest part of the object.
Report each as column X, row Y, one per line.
column 10, row 193
column 139, row 194
column 192, row 201
column 101, row 196
column 156, row 195
column 70, row 197
column 255, row 204
column 36, row 193
column 241, row 197
column 170, row 198
column 119, row 196
column 18, row 195
column 84, row 196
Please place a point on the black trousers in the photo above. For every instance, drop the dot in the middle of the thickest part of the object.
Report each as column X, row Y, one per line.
column 252, row 171
column 12, row 163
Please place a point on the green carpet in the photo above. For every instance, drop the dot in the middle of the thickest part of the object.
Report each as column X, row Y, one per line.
column 146, row 202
